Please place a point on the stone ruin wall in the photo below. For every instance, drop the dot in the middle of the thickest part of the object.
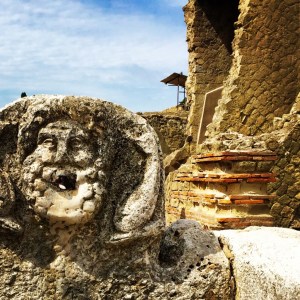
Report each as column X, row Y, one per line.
column 170, row 128
column 286, row 209
column 260, row 91
column 263, row 80
column 209, row 47
column 258, row 104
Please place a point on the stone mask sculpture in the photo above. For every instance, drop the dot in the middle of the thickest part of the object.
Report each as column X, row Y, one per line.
column 82, row 211
column 60, row 176
column 71, row 154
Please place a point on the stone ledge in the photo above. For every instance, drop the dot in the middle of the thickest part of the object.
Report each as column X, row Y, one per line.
column 219, row 222
column 235, row 156
column 225, row 178
column 237, row 153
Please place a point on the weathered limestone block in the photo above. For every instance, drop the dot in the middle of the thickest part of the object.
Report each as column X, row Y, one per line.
column 82, row 207
column 265, row 262
column 188, row 251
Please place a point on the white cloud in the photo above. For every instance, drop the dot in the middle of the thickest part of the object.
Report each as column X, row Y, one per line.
column 64, row 45
column 176, row 3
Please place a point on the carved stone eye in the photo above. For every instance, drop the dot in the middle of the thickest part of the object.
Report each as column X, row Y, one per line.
column 48, row 142
column 76, row 143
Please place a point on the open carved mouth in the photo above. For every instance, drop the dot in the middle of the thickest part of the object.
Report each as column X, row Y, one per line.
column 65, row 182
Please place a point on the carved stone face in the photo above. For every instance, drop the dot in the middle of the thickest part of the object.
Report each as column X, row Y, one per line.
column 61, row 177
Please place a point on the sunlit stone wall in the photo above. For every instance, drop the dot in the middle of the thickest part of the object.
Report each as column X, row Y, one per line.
column 263, row 81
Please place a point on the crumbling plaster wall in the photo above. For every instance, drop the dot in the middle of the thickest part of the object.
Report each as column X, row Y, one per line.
column 263, row 80
column 209, row 33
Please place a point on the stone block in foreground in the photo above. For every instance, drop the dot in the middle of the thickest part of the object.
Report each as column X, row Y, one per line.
column 265, row 262
column 82, row 209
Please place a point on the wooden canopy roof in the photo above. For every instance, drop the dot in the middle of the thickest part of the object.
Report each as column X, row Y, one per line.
column 175, row 79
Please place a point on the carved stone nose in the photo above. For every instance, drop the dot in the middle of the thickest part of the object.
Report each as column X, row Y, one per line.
column 66, row 182
column 61, row 152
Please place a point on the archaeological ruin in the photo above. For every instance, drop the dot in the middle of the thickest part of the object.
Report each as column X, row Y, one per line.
column 97, row 202
column 243, row 87
column 82, row 208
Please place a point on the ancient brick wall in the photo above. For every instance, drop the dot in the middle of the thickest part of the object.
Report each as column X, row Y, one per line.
column 209, row 36
column 170, row 128
column 224, row 189
column 263, row 79
column 202, row 194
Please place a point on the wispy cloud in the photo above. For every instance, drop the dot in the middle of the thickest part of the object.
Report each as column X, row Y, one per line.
column 176, row 3
column 70, row 47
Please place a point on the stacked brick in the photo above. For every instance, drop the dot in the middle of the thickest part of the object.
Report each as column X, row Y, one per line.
column 218, row 195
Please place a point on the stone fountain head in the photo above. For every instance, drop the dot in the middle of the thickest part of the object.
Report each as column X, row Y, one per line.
column 79, row 159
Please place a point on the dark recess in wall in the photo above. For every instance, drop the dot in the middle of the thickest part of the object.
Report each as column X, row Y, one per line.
column 222, row 14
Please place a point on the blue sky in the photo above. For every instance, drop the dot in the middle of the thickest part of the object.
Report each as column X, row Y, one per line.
column 116, row 50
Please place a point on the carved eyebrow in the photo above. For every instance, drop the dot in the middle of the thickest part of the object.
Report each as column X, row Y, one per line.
column 80, row 136
column 44, row 135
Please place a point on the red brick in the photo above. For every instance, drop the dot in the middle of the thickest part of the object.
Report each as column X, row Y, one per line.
column 226, row 220
column 250, row 196
column 238, row 197
column 235, row 157
column 271, row 179
column 250, row 201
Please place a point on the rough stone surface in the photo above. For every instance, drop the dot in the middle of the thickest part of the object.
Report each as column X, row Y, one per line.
column 175, row 159
column 193, row 255
column 284, row 141
column 170, row 128
column 263, row 81
column 82, row 210
column 209, row 35
column 265, row 262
